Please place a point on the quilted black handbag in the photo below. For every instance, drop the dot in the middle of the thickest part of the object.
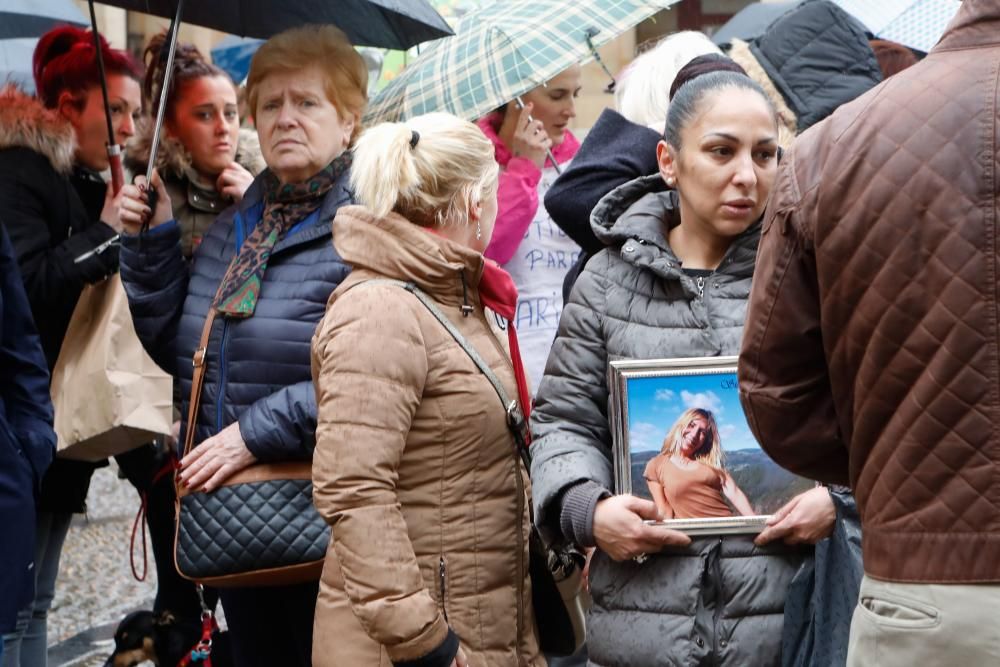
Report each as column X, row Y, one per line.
column 259, row 528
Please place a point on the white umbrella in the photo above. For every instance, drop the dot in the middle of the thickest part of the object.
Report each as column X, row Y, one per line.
column 875, row 14
column 921, row 26
column 917, row 24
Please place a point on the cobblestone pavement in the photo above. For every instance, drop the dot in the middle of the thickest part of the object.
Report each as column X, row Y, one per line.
column 95, row 587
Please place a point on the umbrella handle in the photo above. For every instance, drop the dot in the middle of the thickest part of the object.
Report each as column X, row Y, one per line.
column 548, row 151
column 171, row 48
column 115, row 164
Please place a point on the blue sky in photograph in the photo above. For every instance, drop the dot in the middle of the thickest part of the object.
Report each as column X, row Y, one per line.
column 655, row 403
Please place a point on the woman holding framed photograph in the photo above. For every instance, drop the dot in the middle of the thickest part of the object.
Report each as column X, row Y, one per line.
column 673, row 281
column 688, row 478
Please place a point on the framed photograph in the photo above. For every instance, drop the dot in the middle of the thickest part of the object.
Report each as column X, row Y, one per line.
column 681, row 440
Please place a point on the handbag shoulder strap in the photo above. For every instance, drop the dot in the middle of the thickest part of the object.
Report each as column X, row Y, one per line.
column 567, row 555
column 198, row 362
column 197, row 380
column 515, row 418
column 199, row 358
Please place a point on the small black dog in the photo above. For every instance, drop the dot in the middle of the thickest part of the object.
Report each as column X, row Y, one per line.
column 163, row 640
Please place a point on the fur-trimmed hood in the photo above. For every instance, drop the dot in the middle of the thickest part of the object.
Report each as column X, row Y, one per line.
column 26, row 123
column 174, row 160
column 811, row 60
column 740, row 52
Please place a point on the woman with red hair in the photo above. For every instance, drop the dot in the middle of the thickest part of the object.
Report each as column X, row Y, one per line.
column 55, row 206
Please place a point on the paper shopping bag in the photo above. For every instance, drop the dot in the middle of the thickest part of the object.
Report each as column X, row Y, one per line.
column 109, row 395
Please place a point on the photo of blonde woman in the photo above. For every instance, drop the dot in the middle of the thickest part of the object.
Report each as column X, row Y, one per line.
column 688, row 479
column 684, row 444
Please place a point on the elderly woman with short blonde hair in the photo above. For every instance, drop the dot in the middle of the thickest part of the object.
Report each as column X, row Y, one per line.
column 266, row 267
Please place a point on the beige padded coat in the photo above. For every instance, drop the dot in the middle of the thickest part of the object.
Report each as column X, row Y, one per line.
column 414, row 468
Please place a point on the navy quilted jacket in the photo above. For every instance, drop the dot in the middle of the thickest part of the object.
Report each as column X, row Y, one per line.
column 257, row 369
column 27, row 442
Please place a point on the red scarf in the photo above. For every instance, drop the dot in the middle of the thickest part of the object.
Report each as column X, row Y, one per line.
column 498, row 293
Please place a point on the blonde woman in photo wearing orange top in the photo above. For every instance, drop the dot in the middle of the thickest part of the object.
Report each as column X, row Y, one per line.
column 687, row 479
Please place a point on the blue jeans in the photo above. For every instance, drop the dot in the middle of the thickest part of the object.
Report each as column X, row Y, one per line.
column 27, row 646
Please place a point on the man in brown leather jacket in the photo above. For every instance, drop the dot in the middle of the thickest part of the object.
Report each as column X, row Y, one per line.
column 871, row 354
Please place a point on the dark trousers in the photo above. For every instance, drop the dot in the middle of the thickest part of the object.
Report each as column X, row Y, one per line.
column 173, row 592
column 578, row 659
column 272, row 625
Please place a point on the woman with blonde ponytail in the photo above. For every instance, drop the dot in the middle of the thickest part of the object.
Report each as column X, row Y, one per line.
column 415, row 469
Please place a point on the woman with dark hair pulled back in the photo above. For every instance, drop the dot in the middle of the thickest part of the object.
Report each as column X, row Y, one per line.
column 205, row 159
column 672, row 281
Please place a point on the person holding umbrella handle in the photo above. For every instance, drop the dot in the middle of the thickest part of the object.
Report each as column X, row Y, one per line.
column 531, row 138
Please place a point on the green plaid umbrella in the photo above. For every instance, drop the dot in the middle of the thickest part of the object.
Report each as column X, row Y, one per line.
column 504, row 50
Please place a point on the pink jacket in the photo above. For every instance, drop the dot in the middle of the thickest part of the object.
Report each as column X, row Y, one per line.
column 518, row 196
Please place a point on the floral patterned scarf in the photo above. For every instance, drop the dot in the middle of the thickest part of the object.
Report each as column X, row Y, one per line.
column 284, row 206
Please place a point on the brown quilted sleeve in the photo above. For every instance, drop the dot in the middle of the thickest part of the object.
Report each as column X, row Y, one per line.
column 784, row 382
column 372, row 367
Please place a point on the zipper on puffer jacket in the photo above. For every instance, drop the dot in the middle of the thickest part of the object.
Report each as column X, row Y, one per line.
column 240, row 236
column 443, row 581
column 720, row 602
column 222, row 375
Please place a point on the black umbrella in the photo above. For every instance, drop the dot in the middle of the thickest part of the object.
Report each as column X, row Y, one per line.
column 393, row 24
column 390, row 24
column 752, row 21
column 33, row 18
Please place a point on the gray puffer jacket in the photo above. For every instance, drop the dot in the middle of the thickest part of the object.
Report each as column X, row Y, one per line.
column 720, row 600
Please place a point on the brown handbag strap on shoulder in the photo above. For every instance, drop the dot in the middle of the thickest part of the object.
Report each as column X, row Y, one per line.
column 197, row 380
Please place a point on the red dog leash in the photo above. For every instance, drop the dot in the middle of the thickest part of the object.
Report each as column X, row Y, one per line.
column 202, row 651
column 140, row 518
